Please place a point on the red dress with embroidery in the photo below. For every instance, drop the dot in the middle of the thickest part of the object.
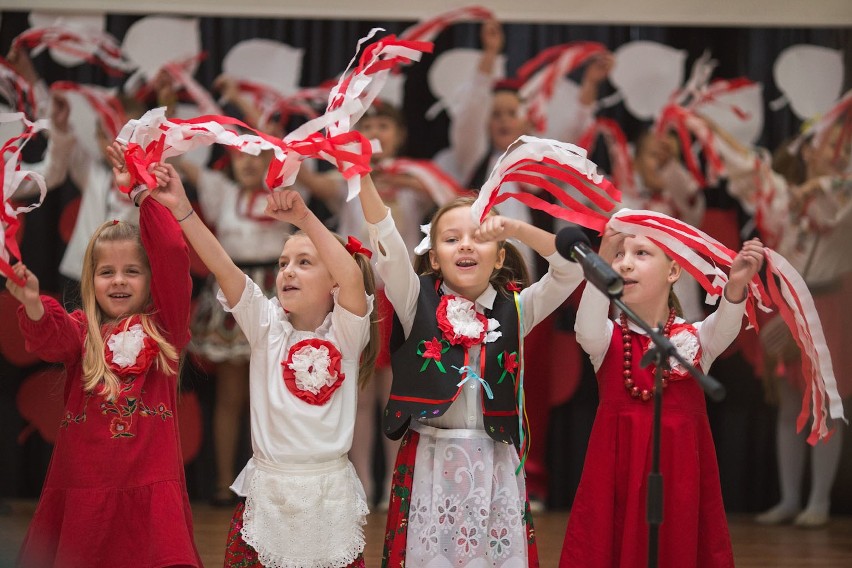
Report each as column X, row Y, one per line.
column 115, row 492
column 607, row 526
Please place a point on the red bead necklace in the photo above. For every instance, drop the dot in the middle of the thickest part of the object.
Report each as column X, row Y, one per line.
column 644, row 394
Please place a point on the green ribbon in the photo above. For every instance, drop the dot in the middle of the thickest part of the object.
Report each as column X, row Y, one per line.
column 502, row 365
column 420, row 351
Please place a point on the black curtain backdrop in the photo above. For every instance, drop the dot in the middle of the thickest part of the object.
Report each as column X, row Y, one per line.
column 743, row 424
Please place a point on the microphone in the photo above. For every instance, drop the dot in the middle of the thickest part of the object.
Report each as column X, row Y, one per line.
column 573, row 244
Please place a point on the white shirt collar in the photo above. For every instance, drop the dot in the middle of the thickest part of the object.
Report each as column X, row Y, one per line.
column 485, row 301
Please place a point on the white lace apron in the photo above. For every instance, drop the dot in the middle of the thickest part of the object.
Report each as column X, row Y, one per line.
column 304, row 515
column 467, row 504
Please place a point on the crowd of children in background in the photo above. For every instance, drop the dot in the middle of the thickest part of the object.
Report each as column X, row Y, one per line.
column 317, row 334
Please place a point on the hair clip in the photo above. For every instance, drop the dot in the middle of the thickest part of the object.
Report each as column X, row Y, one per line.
column 426, row 243
column 354, row 247
column 115, row 221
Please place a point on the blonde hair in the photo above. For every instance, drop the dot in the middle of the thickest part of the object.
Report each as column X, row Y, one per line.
column 97, row 376
column 367, row 363
column 514, row 267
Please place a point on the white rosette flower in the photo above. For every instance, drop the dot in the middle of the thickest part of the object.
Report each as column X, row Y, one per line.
column 127, row 345
column 311, row 368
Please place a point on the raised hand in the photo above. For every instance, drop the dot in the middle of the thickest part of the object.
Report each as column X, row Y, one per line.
column 496, row 228
column 28, row 294
column 115, row 153
column 22, row 64
column 610, row 243
column 491, row 36
column 745, row 265
column 170, row 191
column 598, row 68
column 287, row 206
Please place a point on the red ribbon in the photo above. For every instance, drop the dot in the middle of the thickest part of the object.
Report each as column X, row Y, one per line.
column 354, row 247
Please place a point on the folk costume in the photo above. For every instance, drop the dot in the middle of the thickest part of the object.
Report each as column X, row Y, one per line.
column 459, row 492
column 608, row 526
column 115, row 493
column 305, row 506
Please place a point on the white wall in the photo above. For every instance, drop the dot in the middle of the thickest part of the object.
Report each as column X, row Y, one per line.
column 793, row 13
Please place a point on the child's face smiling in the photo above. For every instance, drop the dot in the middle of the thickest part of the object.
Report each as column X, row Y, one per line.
column 122, row 278
column 304, row 284
column 465, row 264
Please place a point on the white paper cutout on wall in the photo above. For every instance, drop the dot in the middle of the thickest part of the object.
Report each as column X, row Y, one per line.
column 647, row 73
column 450, row 72
column 811, row 78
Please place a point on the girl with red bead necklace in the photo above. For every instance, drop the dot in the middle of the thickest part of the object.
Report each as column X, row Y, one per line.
column 607, row 526
column 115, row 492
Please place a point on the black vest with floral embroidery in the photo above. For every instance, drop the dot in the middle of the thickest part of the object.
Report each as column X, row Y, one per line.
column 425, row 380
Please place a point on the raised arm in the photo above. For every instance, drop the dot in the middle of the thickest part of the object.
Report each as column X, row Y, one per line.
column 468, row 127
column 289, row 207
column 499, row 228
column 172, row 195
column 48, row 330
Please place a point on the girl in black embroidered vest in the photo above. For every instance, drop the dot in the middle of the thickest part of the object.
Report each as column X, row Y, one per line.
column 457, row 365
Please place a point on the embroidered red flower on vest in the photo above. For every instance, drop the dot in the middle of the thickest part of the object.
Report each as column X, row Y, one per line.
column 432, row 350
column 312, row 371
column 130, row 352
column 460, row 323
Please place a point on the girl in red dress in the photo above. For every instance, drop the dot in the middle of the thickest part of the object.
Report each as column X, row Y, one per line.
column 115, row 492
column 607, row 526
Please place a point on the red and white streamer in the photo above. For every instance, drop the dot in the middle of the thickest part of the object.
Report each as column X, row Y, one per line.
column 682, row 115
column 365, row 81
column 545, row 164
column 428, row 30
column 540, row 75
column 96, row 47
column 616, row 144
column 441, row 186
column 154, row 138
column 12, row 177
column 704, row 258
column 106, row 106
column 819, row 128
column 16, row 90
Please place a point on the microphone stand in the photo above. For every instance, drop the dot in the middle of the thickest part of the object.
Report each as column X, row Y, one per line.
column 659, row 354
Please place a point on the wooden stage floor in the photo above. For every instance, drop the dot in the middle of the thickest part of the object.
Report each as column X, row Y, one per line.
column 754, row 546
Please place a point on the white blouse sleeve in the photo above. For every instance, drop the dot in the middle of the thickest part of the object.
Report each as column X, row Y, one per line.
column 468, row 130
column 543, row 297
column 393, row 265
column 719, row 330
column 254, row 312
column 592, row 324
column 351, row 332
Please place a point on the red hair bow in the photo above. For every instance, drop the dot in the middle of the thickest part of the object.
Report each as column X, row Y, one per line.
column 354, row 247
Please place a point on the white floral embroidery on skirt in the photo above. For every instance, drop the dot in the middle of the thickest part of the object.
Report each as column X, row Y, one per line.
column 467, row 504
column 305, row 515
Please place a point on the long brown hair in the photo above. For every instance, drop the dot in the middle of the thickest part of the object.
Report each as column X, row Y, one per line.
column 96, row 372
column 514, row 267
column 367, row 364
